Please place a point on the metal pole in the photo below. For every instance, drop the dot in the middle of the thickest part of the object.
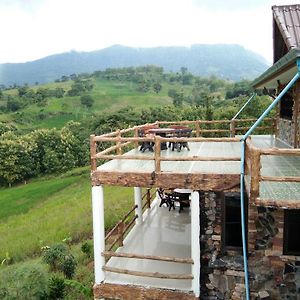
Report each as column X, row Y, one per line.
column 243, row 139
column 248, row 101
column 244, row 241
column 272, row 105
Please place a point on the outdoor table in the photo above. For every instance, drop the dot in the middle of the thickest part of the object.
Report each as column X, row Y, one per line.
column 184, row 197
column 163, row 133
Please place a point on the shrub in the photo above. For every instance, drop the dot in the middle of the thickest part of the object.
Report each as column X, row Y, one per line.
column 87, row 248
column 26, row 282
column 59, row 258
column 56, row 288
column 68, row 266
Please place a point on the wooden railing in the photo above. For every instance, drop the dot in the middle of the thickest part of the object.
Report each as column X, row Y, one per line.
column 253, row 167
column 120, row 229
column 202, row 131
column 148, row 198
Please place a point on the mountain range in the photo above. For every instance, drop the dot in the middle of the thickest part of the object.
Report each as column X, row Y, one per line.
column 225, row 61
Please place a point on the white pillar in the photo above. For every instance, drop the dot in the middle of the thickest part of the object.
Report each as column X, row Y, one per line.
column 138, row 202
column 195, row 242
column 99, row 232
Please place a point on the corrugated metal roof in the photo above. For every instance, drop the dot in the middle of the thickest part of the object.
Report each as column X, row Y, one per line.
column 286, row 38
column 287, row 18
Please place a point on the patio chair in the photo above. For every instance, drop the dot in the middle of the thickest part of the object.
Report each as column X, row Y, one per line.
column 183, row 199
column 168, row 198
column 181, row 131
column 143, row 132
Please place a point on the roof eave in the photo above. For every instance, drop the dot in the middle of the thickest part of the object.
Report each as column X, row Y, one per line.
column 283, row 65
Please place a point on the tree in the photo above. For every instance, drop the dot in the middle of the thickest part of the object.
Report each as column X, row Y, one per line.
column 87, row 100
column 157, row 87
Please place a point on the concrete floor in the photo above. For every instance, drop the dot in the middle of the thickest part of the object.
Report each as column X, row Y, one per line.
column 163, row 233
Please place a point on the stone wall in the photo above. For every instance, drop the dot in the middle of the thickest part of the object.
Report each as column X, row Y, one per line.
column 286, row 131
column 272, row 275
column 222, row 275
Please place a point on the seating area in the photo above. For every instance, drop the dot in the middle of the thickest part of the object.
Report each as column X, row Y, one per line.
column 172, row 131
column 172, row 197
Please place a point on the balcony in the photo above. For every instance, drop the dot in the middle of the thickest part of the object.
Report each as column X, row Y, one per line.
column 156, row 253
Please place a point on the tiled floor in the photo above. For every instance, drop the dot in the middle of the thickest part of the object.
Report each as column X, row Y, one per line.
column 271, row 165
column 163, row 233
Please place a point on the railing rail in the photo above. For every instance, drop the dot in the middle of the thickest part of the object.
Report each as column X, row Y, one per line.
column 253, row 166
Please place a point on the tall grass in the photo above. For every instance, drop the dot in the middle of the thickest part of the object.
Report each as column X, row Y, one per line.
column 60, row 208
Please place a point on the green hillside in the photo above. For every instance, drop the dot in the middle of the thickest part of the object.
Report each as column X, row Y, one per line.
column 109, row 96
column 44, row 160
column 46, row 211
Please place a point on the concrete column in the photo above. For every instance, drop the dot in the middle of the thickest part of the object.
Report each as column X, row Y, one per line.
column 195, row 242
column 138, row 202
column 99, row 232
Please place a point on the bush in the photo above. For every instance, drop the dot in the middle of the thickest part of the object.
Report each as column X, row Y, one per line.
column 59, row 258
column 56, row 288
column 87, row 248
column 25, row 282
column 87, row 100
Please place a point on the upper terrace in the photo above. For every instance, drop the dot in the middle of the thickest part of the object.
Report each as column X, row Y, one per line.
column 212, row 164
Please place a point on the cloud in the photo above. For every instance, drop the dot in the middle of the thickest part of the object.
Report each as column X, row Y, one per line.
column 33, row 29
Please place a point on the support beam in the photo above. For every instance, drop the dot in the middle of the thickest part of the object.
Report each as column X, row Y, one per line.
column 99, row 232
column 138, row 202
column 195, row 242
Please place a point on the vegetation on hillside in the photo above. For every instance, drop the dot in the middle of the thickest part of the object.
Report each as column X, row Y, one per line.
column 79, row 105
column 46, row 224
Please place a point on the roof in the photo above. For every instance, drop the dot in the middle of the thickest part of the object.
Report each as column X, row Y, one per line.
column 283, row 70
column 286, row 47
column 287, row 19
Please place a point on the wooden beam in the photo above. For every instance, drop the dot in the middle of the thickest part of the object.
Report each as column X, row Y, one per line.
column 286, row 204
column 137, row 157
column 255, row 174
column 194, row 181
column 280, row 178
column 157, row 156
column 281, row 151
column 129, row 292
column 151, row 257
column 201, row 158
column 147, row 274
column 112, row 148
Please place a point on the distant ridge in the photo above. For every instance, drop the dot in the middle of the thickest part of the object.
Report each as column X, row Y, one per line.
column 225, row 61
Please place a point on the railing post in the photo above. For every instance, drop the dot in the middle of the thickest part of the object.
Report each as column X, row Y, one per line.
column 93, row 152
column 157, row 154
column 121, row 232
column 118, row 142
column 232, row 128
column 136, row 135
column 148, row 198
column 255, row 174
column 197, row 128
column 138, row 203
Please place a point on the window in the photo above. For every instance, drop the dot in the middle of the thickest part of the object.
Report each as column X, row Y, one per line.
column 286, row 106
column 232, row 225
column 291, row 241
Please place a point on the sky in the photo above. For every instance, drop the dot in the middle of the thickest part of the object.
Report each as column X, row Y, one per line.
column 32, row 29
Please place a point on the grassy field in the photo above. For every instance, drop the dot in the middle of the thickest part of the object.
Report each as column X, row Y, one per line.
column 47, row 211
column 108, row 96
